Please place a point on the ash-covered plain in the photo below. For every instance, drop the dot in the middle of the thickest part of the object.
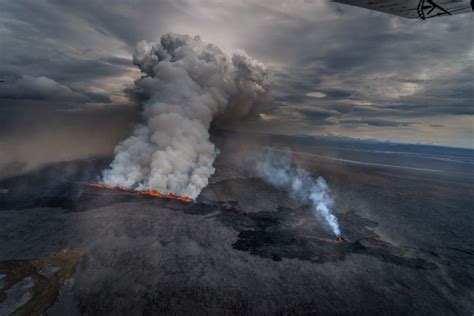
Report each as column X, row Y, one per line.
column 245, row 247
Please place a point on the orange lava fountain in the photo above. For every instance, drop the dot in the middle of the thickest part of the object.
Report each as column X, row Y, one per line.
column 170, row 196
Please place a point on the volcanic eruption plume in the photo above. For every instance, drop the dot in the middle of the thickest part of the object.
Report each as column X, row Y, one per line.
column 277, row 169
column 186, row 84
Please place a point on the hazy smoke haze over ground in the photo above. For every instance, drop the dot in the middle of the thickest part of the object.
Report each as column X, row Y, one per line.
column 28, row 142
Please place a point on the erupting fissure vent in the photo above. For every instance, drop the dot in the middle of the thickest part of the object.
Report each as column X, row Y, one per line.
column 157, row 194
column 186, row 85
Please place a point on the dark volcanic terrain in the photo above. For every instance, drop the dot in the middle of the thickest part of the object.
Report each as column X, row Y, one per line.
column 245, row 247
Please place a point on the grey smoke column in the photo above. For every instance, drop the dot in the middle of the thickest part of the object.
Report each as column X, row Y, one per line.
column 276, row 168
column 186, row 84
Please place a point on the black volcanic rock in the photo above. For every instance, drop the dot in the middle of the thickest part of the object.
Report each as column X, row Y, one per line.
column 246, row 248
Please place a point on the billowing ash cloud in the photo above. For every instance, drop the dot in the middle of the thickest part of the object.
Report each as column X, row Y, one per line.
column 276, row 168
column 186, row 84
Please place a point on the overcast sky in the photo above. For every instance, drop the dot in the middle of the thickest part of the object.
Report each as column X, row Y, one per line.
column 335, row 70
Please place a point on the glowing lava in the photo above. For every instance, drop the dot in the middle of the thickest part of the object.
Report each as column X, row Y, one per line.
column 166, row 196
column 170, row 196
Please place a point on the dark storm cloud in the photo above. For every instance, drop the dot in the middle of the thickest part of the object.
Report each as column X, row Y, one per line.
column 314, row 116
column 423, row 68
column 25, row 88
column 427, row 109
column 68, row 69
column 358, row 48
column 45, row 39
column 126, row 20
column 366, row 64
column 336, row 94
column 37, row 88
column 97, row 97
column 376, row 123
column 317, row 114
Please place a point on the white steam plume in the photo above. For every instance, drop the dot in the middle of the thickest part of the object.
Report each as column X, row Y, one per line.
column 277, row 169
column 186, row 84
